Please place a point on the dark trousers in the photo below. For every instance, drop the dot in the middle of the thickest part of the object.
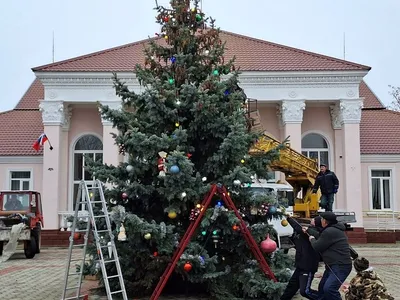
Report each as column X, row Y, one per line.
column 334, row 276
column 327, row 201
column 300, row 280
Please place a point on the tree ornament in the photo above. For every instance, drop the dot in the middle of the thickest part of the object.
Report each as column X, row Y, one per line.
column 204, row 179
column 147, row 236
column 272, row 209
column 198, row 17
column 187, row 267
column 166, row 37
column 171, row 81
column 177, row 124
column 129, row 168
column 161, row 163
column 236, row 182
column 124, row 195
column 173, row 59
column 215, row 72
column 166, row 19
column 113, row 201
column 242, row 161
column 207, row 52
column 77, row 236
column 122, row 233
column 172, row 215
column 183, row 195
column 178, row 102
column 235, row 227
column 174, row 169
column 284, row 223
column 268, row 245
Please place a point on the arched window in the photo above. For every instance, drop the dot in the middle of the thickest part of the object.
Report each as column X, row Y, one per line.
column 89, row 145
column 314, row 145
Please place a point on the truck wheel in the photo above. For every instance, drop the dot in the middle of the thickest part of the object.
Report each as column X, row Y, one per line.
column 1, row 248
column 30, row 248
column 37, row 234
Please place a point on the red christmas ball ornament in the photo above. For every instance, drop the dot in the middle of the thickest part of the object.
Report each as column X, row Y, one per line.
column 166, row 19
column 77, row 236
column 187, row 267
column 268, row 245
column 124, row 195
column 235, row 227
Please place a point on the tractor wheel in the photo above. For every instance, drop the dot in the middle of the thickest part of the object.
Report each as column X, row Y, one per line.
column 30, row 248
column 37, row 234
column 1, row 248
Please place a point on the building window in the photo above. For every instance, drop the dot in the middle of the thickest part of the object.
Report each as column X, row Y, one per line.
column 87, row 145
column 381, row 189
column 314, row 146
column 20, row 180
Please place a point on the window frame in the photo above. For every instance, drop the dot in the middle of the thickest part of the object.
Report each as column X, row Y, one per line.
column 392, row 188
column 9, row 177
column 329, row 148
column 72, row 196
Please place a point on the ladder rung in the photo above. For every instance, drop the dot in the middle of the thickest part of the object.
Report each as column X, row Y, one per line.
column 70, row 274
column 74, row 297
column 113, row 276
column 74, row 287
column 101, row 216
column 80, row 230
column 105, row 230
column 109, row 261
column 116, row 292
column 96, row 202
column 78, row 245
column 105, row 246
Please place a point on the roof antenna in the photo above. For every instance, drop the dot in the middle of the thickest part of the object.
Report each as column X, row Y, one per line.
column 53, row 46
column 344, row 45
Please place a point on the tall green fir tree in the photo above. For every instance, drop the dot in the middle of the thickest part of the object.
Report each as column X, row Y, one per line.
column 187, row 130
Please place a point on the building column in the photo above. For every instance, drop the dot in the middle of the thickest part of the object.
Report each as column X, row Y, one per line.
column 350, row 117
column 111, row 154
column 55, row 116
column 340, row 202
column 291, row 118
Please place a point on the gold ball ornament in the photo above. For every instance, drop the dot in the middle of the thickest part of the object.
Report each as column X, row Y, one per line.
column 147, row 236
column 172, row 215
column 284, row 223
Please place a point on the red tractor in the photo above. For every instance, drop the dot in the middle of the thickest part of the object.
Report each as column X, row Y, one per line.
column 21, row 207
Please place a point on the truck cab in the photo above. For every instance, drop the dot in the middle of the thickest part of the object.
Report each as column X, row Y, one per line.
column 284, row 196
column 24, row 208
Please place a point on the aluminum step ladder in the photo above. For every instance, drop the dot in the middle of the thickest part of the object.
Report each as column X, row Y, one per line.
column 87, row 197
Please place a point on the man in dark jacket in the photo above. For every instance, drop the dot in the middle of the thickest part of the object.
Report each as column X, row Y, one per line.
column 306, row 262
column 334, row 247
column 329, row 184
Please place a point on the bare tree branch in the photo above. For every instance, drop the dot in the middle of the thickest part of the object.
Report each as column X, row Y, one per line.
column 395, row 93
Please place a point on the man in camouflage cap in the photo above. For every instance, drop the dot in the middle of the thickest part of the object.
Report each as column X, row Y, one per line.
column 366, row 284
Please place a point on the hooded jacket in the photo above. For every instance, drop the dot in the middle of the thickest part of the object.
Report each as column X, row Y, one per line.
column 333, row 245
column 306, row 259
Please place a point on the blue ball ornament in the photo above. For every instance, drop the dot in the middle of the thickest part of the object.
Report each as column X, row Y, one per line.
column 174, row 169
column 272, row 209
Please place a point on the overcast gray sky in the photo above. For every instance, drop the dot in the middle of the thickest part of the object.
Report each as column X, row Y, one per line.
column 372, row 32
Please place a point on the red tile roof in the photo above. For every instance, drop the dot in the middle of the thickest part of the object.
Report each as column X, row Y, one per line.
column 252, row 55
column 30, row 100
column 23, row 125
column 380, row 131
column 379, row 127
column 370, row 101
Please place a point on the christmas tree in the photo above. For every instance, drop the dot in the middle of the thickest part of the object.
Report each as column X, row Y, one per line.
column 188, row 130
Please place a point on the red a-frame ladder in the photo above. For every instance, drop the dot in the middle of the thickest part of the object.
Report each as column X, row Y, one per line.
column 221, row 190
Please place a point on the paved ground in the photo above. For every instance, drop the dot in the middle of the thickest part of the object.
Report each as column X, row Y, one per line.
column 42, row 277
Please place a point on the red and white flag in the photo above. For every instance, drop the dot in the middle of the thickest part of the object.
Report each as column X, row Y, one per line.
column 40, row 142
